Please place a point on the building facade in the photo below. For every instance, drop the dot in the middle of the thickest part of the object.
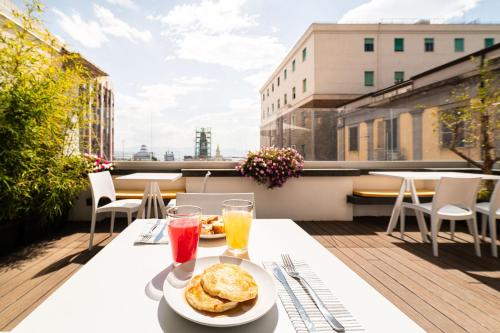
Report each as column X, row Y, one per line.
column 401, row 123
column 332, row 64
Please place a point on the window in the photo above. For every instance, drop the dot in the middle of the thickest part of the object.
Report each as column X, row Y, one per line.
column 304, row 85
column 459, row 45
column 272, row 87
column 303, row 118
column 446, row 134
column 399, row 44
column 399, row 77
column 279, row 105
column 369, row 44
column 293, row 93
column 285, row 101
column 278, row 81
column 263, row 97
column 267, row 92
column 272, row 107
column 353, row 138
column 303, row 150
column 293, row 66
column 268, row 110
column 489, row 42
column 369, row 78
column 304, row 54
column 284, row 74
column 429, row 44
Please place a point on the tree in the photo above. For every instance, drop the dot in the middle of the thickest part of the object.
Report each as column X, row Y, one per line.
column 41, row 109
column 476, row 119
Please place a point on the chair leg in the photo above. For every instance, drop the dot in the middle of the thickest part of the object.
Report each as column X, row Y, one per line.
column 112, row 226
column 434, row 233
column 402, row 222
column 472, row 223
column 92, row 229
column 484, row 221
column 129, row 217
column 452, row 229
column 493, row 235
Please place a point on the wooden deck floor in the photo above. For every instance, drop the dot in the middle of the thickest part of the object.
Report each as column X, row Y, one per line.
column 456, row 292
column 30, row 275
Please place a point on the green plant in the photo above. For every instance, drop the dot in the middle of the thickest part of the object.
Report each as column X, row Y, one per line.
column 43, row 108
column 272, row 166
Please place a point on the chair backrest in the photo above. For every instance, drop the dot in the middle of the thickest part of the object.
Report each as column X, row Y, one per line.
column 460, row 192
column 211, row 203
column 102, row 185
column 495, row 198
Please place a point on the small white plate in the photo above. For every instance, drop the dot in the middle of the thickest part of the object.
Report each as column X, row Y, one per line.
column 177, row 280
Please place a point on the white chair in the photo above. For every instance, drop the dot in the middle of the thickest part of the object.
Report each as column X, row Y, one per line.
column 101, row 184
column 211, row 203
column 491, row 212
column 454, row 199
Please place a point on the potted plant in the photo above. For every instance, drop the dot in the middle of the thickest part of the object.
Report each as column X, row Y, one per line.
column 272, row 166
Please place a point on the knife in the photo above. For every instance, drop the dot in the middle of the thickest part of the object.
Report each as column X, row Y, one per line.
column 300, row 308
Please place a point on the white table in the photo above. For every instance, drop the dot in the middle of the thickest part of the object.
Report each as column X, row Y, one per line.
column 152, row 194
column 408, row 184
column 113, row 292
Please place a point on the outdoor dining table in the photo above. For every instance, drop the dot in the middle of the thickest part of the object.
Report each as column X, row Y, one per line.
column 151, row 199
column 120, row 289
column 408, row 184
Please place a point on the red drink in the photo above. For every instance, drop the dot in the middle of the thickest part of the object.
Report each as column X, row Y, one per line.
column 184, row 235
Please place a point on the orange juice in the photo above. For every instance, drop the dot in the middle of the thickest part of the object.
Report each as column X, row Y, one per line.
column 237, row 225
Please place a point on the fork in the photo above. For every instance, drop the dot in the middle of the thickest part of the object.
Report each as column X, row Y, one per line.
column 146, row 236
column 292, row 271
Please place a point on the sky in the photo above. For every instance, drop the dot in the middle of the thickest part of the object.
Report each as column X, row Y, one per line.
column 179, row 65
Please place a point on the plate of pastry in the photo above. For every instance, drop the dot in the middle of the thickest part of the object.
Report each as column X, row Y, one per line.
column 220, row 291
column 212, row 226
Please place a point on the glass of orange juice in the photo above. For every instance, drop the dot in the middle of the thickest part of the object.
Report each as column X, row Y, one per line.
column 237, row 216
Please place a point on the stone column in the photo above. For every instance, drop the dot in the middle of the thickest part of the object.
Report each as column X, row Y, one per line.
column 369, row 124
column 417, row 141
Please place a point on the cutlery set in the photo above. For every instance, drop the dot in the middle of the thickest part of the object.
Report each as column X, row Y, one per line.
column 290, row 269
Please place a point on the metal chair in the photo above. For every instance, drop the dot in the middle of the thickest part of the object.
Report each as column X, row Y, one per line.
column 102, row 186
column 211, row 203
column 455, row 199
column 491, row 212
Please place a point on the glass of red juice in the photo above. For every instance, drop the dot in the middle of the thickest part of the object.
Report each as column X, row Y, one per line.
column 184, row 228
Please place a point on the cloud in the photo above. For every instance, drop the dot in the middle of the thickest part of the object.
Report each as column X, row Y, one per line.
column 124, row 3
column 387, row 10
column 257, row 79
column 217, row 32
column 95, row 33
column 155, row 107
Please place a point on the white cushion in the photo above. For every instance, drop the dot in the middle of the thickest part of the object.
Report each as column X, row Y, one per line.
column 484, row 207
column 123, row 205
column 448, row 210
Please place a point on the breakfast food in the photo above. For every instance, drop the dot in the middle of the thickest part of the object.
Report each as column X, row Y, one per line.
column 229, row 282
column 212, row 225
column 221, row 287
column 200, row 300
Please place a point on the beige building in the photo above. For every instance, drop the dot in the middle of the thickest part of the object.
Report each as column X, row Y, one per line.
column 400, row 122
column 332, row 64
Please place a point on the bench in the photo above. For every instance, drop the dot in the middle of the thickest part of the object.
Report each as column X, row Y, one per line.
column 385, row 197
column 137, row 194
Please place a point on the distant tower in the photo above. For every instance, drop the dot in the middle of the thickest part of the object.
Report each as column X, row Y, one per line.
column 203, row 143
column 218, row 155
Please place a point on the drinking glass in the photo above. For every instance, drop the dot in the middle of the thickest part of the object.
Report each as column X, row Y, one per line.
column 237, row 215
column 184, row 228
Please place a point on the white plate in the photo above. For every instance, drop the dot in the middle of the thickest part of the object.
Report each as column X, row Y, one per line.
column 177, row 280
column 212, row 236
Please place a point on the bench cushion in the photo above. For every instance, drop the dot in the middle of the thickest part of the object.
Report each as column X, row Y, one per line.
column 137, row 194
column 389, row 193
